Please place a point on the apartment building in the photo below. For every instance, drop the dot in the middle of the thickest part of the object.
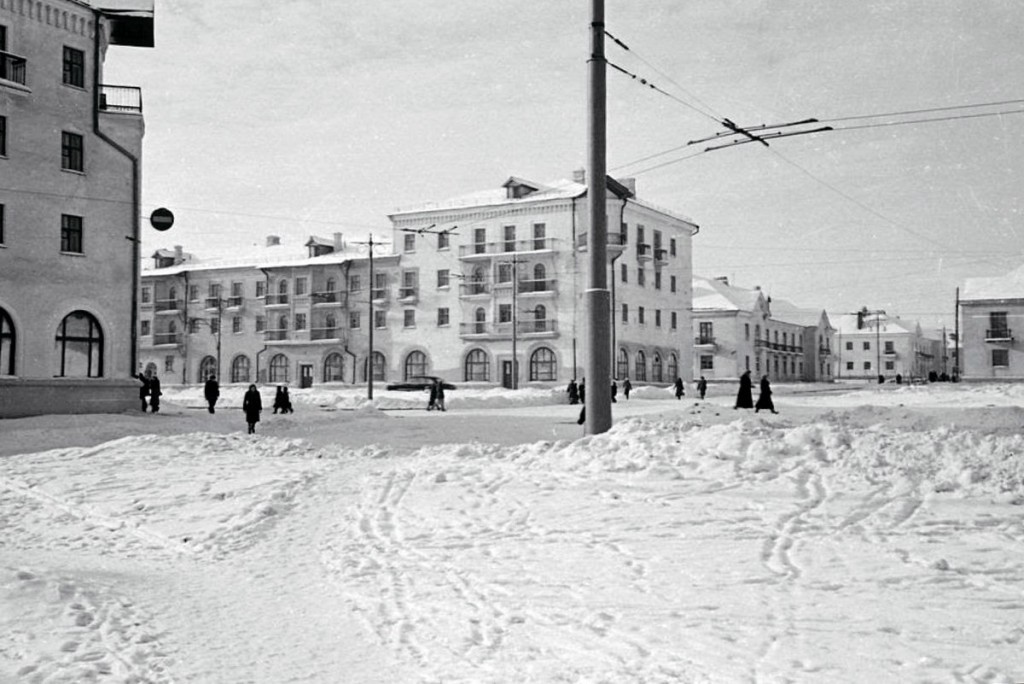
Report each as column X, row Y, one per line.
column 869, row 344
column 991, row 315
column 70, row 170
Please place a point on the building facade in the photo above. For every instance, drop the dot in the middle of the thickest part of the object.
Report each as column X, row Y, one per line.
column 870, row 344
column 991, row 315
column 486, row 288
column 70, row 160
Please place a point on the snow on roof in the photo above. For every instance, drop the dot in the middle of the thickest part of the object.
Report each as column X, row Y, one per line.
column 787, row 312
column 290, row 252
column 710, row 294
column 846, row 324
column 1009, row 286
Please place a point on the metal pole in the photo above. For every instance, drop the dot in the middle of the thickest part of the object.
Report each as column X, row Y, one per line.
column 369, row 357
column 878, row 337
column 596, row 297
column 956, row 342
column 515, row 324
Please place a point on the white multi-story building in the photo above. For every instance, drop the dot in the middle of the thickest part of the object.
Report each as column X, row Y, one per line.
column 738, row 329
column 70, row 164
column 470, row 286
column 870, row 344
column 992, row 320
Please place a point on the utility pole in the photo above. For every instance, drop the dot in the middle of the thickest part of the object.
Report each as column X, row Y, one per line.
column 369, row 289
column 515, row 323
column 597, row 405
column 956, row 341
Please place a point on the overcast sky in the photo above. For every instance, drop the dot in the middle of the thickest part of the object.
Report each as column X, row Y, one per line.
column 311, row 117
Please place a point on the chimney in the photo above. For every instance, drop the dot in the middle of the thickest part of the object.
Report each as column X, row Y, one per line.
column 179, row 255
column 339, row 244
column 723, row 279
column 630, row 184
column 860, row 320
column 580, row 176
column 273, row 240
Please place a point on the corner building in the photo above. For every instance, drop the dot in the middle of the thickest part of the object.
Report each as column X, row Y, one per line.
column 70, row 179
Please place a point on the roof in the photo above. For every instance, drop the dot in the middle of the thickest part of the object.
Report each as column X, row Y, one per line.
column 1009, row 286
column 787, row 312
column 290, row 252
column 846, row 324
column 710, row 294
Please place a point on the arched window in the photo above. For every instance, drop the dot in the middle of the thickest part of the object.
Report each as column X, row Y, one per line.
column 540, row 277
column 757, row 332
column 640, row 369
column 172, row 294
column 379, row 367
column 207, row 367
column 279, row 368
column 331, row 322
column 240, row 368
column 673, row 366
column 477, row 281
column 480, row 321
column 282, row 322
column 478, row 366
column 79, row 347
column 282, row 287
column 334, row 368
column 415, row 365
column 7, row 342
column 543, row 365
column 656, row 374
column 332, row 285
column 540, row 318
column 622, row 364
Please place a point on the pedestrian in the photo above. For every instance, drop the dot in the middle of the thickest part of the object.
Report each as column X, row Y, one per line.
column 252, row 404
column 573, row 391
column 143, row 390
column 279, row 400
column 211, row 390
column 702, row 387
column 583, row 391
column 626, row 387
column 286, row 401
column 745, row 397
column 432, row 404
column 440, row 395
column 154, row 393
column 764, row 401
column 615, row 390
column 583, row 415
column 680, row 391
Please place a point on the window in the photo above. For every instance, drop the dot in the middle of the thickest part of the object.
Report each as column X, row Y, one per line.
column 409, row 242
column 889, row 365
column 240, row 368
column 300, row 286
column 672, row 283
column 889, row 347
column 74, row 67
column 641, row 277
column 278, row 368
column 673, row 366
column 867, row 346
column 261, row 323
column 71, row 234
column 147, row 295
column 543, row 365
column 409, row 318
column 354, row 283
column 300, row 321
column 867, row 365
column 355, row 320
column 479, row 321
column 193, row 293
column 504, row 313
column 849, row 346
column 207, row 368
column 479, row 240
column 214, row 326
column 145, row 328
column 3, row 136
column 746, row 331
column 674, row 321
column 707, row 333
column 72, row 152
column 849, row 365
column 509, row 234
column 79, row 346
column 640, row 367
column 640, row 315
column 380, row 319
column 707, row 362
column 1001, row 358
column 7, row 342
column 656, row 368
column 672, row 247
column 334, row 368
column 415, row 365
column 193, row 326
column 657, row 280
column 442, row 317
column 625, row 273
column 379, row 366
column 236, row 324
column 504, row 273
column 477, row 366
column 998, row 325
column 624, row 233
column 625, row 313
column 261, row 289
column 168, row 365
column 540, row 319
column 657, row 318
column 443, row 240
column 443, row 278
column 236, row 291
column 539, row 236
column 622, row 364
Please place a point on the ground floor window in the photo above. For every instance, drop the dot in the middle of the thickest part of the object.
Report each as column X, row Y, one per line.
column 622, row 364
column 415, row 365
column 7, row 341
column 640, row 367
column 240, row 369
column 543, row 365
column 207, row 367
column 478, row 366
column 79, row 346
column 334, row 368
column 1001, row 358
column 656, row 369
column 673, row 366
column 707, row 362
column 379, row 365
column 279, row 368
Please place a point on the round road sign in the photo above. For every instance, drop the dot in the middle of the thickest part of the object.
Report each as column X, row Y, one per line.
column 161, row 219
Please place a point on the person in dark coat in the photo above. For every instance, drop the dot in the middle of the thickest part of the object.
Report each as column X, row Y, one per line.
column 583, row 391
column 280, row 403
column 745, row 397
column 680, row 391
column 764, row 401
column 211, row 390
column 573, row 391
column 432, row 403
column 615, row 390
column 702, row 386
column 440, row 395
column 286, row 401
column 154, row 393
column 143, row 391
column 252, row 404
column 626, row 388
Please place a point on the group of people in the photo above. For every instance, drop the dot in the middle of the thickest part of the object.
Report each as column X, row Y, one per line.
column 745, row 396
column 252, row 405
column 436, row 402
column 149, row 392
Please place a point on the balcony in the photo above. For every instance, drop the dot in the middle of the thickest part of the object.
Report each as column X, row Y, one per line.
column 533, row 327
column 999, row 335
column 332, row 334
column 275, row 335
column 234, row 302
column 704, row 341
column 761, row 344
column 380, row 294
column 824, row 351
column 330, row 297
column 167, row 305
column 488, row 249
column 120, row 99
column 474, row 289
column 213, row 303
column 889, row 352
column 644, row 252
column 660, row 257
column 543, row 286
column 408, row 295
column 503, row 330
column 12, row 68
column 616, row 242
column 276, row 300
column 165, row 338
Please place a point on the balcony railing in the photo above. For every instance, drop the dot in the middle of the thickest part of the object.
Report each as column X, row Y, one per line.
column 379, row 294
column 474, row 288
column 408, row 295
column 165, row 338
column 126, row 99
column 644, row 252
column 537, row 326
column 162, row 305
column 325, row 333
column 506, row 247
column 234, row 302
column 704, row 340
column 503, row 329
column 12, row 67
column 275, row 335
column 330, row 297
column 661, row 256
column 275, row 300
column 535, row 286
column 998, row 334
column 825, row 351
column 616, row 241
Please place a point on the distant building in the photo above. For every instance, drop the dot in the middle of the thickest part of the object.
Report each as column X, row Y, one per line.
column 870, row 344
column 466, row 286
column 70, row 160
column 992, row 323
column 738, row 329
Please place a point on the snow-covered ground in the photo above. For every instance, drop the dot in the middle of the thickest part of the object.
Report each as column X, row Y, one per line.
column 864, row 534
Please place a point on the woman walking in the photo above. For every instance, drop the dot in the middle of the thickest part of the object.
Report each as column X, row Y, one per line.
column 765, row 400
column 252, row 404
column 745, row 397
